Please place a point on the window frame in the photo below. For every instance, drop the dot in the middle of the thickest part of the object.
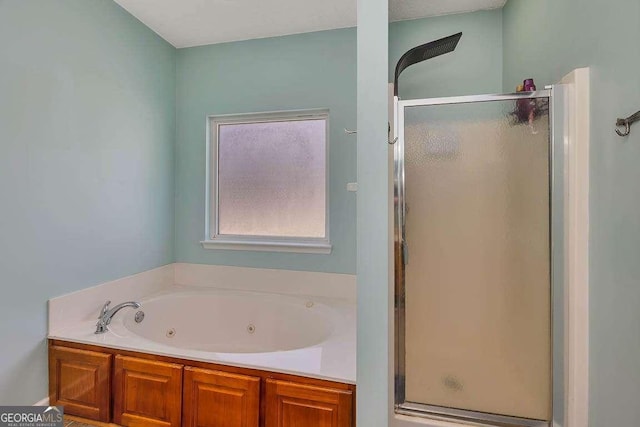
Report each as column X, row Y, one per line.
column 215, row 240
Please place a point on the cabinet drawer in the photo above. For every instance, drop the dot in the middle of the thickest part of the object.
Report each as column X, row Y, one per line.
column 80, row 381
column 147, row 392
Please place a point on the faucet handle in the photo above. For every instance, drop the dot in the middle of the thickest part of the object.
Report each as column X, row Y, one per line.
column 105, row 308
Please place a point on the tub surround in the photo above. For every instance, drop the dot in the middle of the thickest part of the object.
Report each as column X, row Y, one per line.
column 66, row 310
column 72, row 317
column 81, row 306
column 332, row 359
column 288, row 282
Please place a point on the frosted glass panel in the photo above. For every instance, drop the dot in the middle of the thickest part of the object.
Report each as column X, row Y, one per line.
column 271, row 179
column 478, row 278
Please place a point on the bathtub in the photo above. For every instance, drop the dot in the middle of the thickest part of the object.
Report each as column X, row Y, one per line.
column 232, row 323
column 306, row 336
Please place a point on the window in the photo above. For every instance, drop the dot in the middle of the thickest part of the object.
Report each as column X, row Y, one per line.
column 267, row 182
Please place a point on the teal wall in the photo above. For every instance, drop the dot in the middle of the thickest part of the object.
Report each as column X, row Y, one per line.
column 545, row 40
column 374, row 299
column 474, row 68
column 102, row 139
column 313, row 70
column 87, row 126
column 102, row 134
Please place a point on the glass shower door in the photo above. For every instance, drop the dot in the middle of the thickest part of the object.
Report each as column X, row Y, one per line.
column 475, row 288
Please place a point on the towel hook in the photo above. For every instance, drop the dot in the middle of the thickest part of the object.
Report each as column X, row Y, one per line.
column 353, row 132
column 627, row 124
column 390, row 141
column 627, row 127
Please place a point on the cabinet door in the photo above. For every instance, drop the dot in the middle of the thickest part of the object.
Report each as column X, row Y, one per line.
column 220, row 399
column 290, row 404
column 147, row 392
column 80, row 381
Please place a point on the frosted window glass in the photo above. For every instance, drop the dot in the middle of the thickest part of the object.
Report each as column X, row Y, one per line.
column 271, row 179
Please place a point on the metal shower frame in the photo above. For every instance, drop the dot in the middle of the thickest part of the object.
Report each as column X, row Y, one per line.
column 555, row 95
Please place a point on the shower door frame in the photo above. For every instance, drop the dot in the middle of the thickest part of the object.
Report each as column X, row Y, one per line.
column 555, row 95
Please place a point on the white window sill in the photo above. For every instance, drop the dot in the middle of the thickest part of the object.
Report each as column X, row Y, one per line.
column 269, row 246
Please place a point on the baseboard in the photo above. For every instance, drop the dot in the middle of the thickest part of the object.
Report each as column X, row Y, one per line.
column 43, row 402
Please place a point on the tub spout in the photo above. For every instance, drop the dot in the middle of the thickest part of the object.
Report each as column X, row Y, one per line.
column 107, row 314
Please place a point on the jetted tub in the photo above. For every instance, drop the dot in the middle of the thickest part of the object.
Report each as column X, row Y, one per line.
column 232, row 323
column 309, row 336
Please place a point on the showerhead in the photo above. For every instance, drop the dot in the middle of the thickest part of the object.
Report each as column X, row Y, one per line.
column 424, row 52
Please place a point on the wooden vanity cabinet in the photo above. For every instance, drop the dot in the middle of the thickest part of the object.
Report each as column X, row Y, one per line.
column 136, row 389
column 217, row 398
column 146, row 392
column 292, row 404
column 80, row 380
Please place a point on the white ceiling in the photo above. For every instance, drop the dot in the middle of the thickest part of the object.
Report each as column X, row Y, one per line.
column 185, row 23
column 400, row 10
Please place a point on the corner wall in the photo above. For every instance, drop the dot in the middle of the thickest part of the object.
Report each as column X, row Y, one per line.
column 87, row 126
column 373, row 261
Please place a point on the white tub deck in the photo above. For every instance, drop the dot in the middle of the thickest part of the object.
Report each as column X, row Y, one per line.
column 318, row 351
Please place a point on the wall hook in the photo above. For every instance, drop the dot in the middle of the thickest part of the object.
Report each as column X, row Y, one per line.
column 390, row 141
column 353, row 132
column 627, row 124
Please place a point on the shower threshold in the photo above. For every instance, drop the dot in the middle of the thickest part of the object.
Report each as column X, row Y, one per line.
column 469, row 417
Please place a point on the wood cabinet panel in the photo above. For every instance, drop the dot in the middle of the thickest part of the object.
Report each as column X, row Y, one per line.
column 147, row 392
column 220, row 399
column 153, row 390
column 290, row 404
column 80, row 381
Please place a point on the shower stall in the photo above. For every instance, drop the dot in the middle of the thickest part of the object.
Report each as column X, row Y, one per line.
column 478, row 200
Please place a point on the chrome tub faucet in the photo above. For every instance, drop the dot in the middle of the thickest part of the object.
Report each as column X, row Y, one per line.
column 107, row 314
